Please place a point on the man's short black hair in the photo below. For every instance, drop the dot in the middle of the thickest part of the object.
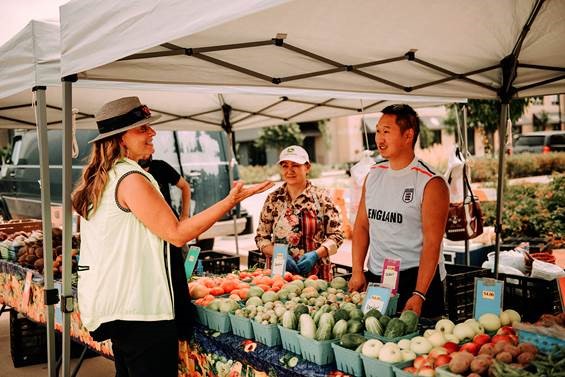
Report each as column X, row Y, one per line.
column 406, row 118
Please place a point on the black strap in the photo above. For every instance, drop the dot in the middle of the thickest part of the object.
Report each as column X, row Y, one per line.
column 124, row 120
column 466, row 182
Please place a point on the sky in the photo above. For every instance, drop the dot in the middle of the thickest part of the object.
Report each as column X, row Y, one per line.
column 15, row 14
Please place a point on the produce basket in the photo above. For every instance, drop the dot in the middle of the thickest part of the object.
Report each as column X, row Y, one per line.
column 342, row 270
column 397, row 369
column 216, row 262
column 255, row 258
column 348, row 361
column 289, row 340
column 28, row 341
column 202, row 316
column 268, row 335
column 218, row 321
column 318, row 352
column 241, row 326
column 443, row 371
column 369, row 335
column 460, row 290
column 544, row 342
column 377, row 368
column 530, row 297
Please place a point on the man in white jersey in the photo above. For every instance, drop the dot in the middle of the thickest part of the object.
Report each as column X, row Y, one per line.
column 402, row 215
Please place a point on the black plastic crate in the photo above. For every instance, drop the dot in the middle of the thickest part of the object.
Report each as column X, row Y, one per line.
column 530, row 297
column 536, row 244
column 216, row 262
column 256, row 259
column 342, row 270
column 460, row 290
column 28, row 341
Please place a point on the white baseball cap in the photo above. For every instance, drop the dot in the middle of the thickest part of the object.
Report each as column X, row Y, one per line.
column 294, row 153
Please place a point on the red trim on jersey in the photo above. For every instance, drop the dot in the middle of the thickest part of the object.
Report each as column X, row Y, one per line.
column 379, row 166
column 422, row 171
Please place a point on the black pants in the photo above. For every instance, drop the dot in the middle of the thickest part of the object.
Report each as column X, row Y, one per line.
column 185, row 311
column 145, row 349
column 434, row 306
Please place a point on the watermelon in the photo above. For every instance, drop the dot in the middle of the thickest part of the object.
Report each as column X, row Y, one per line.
column 410, row 319
column 341, row 314
column 340, row 328
column 289, row 320
column 373, row 326
column 354, row 326
column 352, row 341
column 307, row 326
column 301, row 309
column 372, row 313
column 395, row 328
column 325, row 326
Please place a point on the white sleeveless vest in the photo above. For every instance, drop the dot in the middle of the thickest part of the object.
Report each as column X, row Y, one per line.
column 127, row 278
column 393, row 199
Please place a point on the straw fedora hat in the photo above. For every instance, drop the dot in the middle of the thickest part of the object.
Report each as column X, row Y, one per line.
column 121, row 115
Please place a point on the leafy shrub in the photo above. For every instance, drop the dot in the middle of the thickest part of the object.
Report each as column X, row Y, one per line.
column 531, row 210
column 521, row 165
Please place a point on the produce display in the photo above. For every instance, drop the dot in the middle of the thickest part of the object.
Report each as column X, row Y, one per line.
column 27, row 248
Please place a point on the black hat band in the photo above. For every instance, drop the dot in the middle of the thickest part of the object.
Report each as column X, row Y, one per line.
column 133, row 116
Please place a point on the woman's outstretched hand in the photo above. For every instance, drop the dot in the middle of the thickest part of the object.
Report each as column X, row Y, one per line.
column 239, row 193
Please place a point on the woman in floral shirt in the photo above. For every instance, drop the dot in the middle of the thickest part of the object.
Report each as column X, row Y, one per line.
column 301, row 215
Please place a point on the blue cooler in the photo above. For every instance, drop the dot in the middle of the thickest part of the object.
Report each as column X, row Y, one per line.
column 454, row 252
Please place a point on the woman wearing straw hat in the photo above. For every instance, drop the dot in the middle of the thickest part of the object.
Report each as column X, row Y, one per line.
column 301, row 215
column 125, row 294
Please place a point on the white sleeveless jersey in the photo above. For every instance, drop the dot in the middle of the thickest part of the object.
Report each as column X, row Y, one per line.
column 393, row 199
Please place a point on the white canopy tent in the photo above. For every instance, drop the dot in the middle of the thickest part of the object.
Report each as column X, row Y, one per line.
column 30, row 73
column 472, row 49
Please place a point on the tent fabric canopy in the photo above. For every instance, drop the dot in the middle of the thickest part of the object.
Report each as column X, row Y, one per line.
column 31, row 59
column 434, row 48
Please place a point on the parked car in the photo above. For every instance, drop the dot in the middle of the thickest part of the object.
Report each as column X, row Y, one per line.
column 540, row 142
column 200, row 156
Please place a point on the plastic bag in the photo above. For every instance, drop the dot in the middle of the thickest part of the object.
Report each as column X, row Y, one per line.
column 546, row 271
column 360, row 170
column 454, row 176
column 502, row 268
column 511, row 258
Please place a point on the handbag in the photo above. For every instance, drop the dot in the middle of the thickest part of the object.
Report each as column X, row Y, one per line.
column 464, row 220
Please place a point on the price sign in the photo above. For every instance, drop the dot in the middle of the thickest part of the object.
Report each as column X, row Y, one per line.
column 377, row 297
column 488, row 296
column 190, row 261
column 278, row 261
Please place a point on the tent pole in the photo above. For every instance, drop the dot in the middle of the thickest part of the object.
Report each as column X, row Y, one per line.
column 50, row 297
column 226, row 125
column 465, row 156
column 500, row 185
column 67, row 300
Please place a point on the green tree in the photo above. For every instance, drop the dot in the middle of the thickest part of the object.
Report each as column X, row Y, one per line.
column 280, row 136
column 426, row 136
column 485, row 114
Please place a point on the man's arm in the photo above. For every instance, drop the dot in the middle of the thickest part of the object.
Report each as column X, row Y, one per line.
column 360, row 244
column 435, row 205
column 184, row 186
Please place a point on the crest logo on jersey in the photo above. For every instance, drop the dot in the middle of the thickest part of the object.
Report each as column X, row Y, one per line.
column 408, row 195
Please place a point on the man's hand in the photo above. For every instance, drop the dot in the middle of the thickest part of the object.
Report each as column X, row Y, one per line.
column 307, row 262
column 414, row 303
column 358, row 282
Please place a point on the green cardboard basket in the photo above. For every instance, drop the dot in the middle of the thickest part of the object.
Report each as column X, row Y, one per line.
column 289, row 340
column 348, row 361
column 218, row 321
column 241, row 326
column 316, row 351
column 268, row 335
column 377, row 368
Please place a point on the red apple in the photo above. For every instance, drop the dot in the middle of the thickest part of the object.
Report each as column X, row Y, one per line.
column 421, row 361
column 436, row 351
column 481, row 339
column 451, row 347
column 442, row 360
column 513, row 339
column 427, row 371
column 501, row 338
column 506, row 330
column 470, row 347
column 288, row 276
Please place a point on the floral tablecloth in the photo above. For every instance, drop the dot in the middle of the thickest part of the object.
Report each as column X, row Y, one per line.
column 209, row 354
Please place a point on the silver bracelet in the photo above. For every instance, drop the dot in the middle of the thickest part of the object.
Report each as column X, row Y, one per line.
column 419, row 294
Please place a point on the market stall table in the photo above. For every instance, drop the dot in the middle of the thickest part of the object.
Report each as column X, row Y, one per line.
column 209, row 354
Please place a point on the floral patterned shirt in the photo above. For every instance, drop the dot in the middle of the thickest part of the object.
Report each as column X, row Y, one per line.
column 305, row 224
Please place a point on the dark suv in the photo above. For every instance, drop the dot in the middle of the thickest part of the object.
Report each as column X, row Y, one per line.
column 201, row 157
column 540, row 142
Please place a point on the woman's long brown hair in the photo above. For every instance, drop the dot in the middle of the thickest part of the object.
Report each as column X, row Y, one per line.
column 104, row 154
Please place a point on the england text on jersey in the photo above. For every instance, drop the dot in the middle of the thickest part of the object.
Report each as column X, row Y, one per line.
column 387, row 216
